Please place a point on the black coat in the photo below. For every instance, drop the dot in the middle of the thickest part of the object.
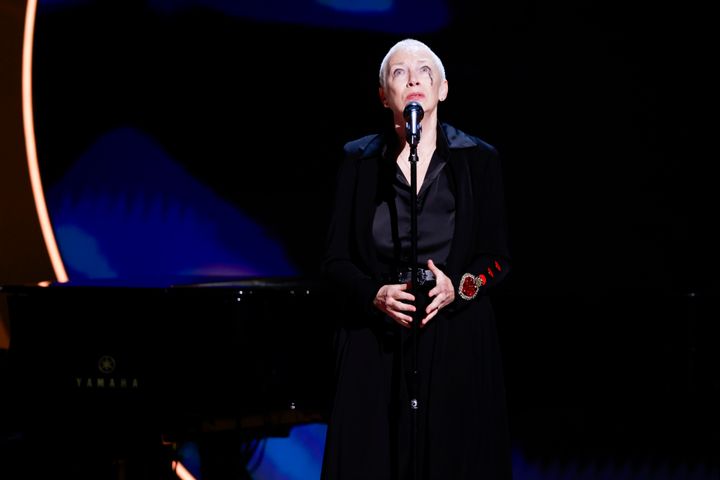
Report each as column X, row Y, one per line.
column 462, row 430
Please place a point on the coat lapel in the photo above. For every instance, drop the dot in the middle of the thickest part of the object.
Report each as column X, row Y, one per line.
column 463, row 210
column 367, row 180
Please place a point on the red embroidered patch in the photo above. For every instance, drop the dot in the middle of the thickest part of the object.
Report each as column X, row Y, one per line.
column 468, row 286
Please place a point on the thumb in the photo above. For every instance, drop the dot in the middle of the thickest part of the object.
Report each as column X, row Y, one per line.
column 431, row 265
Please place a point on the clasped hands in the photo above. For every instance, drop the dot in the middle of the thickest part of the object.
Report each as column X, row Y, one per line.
column 396, row 302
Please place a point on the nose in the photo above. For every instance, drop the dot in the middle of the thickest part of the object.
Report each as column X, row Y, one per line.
column 412, row 80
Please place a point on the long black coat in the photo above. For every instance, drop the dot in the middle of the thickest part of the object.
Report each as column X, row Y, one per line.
column 462, row 430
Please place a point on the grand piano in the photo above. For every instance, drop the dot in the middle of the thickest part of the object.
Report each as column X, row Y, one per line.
column 131, row 372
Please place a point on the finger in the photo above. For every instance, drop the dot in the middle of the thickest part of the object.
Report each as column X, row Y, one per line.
column 437, row 297
column 439, row 274
column 432, row 308
column 400, row 307
column 403, row 320
column 404, row 297
column 429, row 317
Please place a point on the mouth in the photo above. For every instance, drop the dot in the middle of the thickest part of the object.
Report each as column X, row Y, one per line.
column 415, row 97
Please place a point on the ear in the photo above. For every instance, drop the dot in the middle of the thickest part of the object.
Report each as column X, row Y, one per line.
column 442, row 94
column 383, row 99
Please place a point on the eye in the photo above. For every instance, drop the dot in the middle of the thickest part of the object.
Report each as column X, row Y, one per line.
column 425, row 69
column 397, row 72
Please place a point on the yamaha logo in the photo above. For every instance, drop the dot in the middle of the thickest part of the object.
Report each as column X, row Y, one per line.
column 106, row 365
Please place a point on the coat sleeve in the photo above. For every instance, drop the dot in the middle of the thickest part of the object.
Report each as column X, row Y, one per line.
column 351, row 284
column 490, row 262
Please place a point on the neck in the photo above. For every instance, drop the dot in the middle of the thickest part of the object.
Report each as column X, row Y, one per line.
column 425, row 147
column 428, row 134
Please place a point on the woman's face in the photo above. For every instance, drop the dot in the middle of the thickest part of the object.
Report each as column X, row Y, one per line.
column 412, row 76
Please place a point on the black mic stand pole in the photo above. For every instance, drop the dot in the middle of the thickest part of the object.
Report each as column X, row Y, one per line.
column 414, row 384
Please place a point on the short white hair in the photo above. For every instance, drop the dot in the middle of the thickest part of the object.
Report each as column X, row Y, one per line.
column 409, row 44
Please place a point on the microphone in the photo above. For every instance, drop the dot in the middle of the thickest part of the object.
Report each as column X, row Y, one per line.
column 413, row 114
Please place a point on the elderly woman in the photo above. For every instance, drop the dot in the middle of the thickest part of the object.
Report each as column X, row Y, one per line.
column 426, row 402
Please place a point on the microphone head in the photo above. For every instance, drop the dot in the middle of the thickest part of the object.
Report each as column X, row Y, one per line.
column 413, row 107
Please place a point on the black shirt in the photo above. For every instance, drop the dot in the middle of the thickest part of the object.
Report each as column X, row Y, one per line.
column 435, row 218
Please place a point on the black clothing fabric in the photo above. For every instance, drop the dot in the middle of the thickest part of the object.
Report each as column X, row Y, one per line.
column 436, row 218
column 462, row 418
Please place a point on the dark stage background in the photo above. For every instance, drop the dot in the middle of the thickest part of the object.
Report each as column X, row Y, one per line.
column 594, row 109
column 186, row 142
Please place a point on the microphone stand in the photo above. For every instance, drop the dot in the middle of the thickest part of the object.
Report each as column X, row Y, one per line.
column 414, row 384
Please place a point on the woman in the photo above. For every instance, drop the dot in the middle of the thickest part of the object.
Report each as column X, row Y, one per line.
column 459, row 429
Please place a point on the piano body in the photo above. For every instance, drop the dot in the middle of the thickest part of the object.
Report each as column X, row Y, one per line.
column 115, row 368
